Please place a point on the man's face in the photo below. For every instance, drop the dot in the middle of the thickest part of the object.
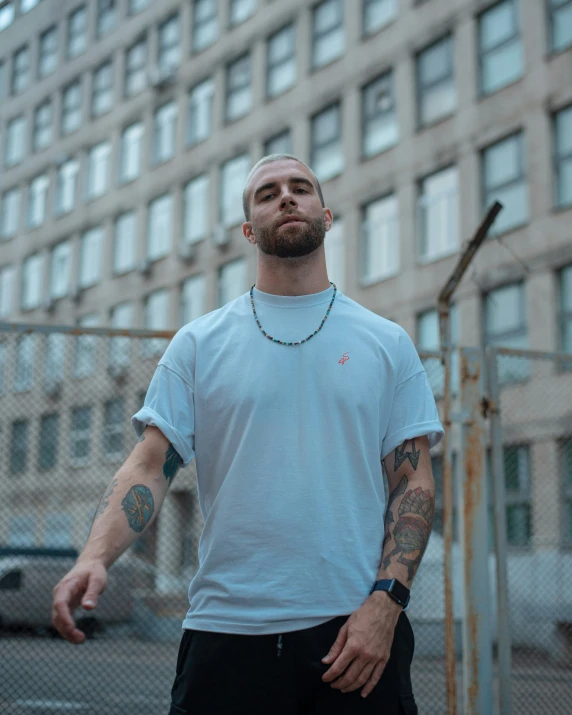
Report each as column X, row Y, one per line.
column 286, row 215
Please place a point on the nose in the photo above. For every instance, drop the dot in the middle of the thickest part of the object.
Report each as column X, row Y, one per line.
column 287, row 199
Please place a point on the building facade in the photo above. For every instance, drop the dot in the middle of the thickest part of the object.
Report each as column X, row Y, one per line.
column 128, row 127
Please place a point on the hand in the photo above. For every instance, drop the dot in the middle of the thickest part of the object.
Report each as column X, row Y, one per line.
column 81, row 586
column 361, row 650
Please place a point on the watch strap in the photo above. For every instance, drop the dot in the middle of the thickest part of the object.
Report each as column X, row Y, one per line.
column 395, row 589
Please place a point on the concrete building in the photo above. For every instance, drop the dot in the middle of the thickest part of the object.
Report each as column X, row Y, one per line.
column 127, row 128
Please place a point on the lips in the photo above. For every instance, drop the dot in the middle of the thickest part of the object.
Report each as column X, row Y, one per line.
column 291, row 219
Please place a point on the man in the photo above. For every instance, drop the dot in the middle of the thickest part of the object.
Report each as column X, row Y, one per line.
column 290, row 397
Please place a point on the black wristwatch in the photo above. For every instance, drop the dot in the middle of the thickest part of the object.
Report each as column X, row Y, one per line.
column 394, row 588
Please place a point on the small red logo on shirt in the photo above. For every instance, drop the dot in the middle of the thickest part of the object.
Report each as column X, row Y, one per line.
column 345, row 358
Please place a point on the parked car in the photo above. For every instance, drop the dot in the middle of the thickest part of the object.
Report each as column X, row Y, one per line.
column 27, row 577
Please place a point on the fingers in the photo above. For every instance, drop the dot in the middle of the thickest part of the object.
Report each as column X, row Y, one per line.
column 337, row 646
column 360, row 680
column 95, row 587
column 85, row 588
column 374, row 679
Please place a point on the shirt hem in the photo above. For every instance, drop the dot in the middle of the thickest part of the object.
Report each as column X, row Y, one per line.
column 256, row 629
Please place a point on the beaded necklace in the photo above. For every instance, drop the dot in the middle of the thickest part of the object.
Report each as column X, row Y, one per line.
column 280, row 342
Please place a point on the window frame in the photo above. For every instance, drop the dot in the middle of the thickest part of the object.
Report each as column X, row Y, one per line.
column 482, row 92
column 48, row 33
column 365, row 31
column 196, row 48
column 234, row 88
column 315, row 36
column 388, row 74
column 78, row 435
column 558, row 159
column 421, row 90
column 322, row 145
column 18, row 72
column 274, row 64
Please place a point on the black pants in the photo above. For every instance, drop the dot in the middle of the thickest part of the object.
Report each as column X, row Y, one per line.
column 226, row 674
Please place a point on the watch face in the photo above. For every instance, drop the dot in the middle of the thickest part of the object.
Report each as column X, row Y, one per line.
column 399, row 590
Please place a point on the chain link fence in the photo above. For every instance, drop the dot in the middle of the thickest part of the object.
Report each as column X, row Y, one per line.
column 534, row 398
column 66, row 397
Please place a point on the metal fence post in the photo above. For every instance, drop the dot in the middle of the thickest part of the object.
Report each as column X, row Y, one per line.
column 477, row 647
column 497, row 480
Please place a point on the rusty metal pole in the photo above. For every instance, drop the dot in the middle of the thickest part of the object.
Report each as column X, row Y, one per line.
column 444, row 304
column 477, row 644
column 498, row 486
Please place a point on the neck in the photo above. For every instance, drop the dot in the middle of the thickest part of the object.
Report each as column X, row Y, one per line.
column 288, row 277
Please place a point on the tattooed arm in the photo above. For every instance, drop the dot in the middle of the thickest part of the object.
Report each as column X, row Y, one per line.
column 410, row 509
column 127, row 507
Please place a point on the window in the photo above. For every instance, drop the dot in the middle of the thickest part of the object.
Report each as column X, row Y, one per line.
column 37, row 199
column 25, row 351
column 15, row 147
column 102, row 89
column 130, row 154
column 156, row 318
column 500, row 46
column 91, row 253
column 439, row 214
column 377, row 14
column 48, row 52
column 200, row 112
column 136, row 6
column 279, row 144
column 238, row 89
column 136, row 68
column 7, row 14
column 85, row 348
column 21, row 70
column 505, row 325
column 516, row 463
column 565, row 450
column 197, row 209
column 19, row 447
column 326, row 143
column 32, row 270
column 113, row 424
column 231, row 281
column 77, row 32
column 233, row 178
column 71, row 107
column 380, row 127
column 7, row 274
column 124, row 243
column 241, row 10
column 429, row 339
column 334, row 247
column 27, row 5
column 327, row 32
column 563, row 137
column 380, row 255
column 58, row 531
column 164, row 132
column 10, row 213
column 435, row 81
column 281, row 59
column 560, row 24
column 566, row 309
column 160, row 227
column 169, row 45
column 61, row 269
column 42, row 137
column 80, row 436
column 98, row 170
column 54, row 360
column 119, row 348
column 106, row 17
column 192, row 299
column 66, row 186
column 205, row 24
column 504, row 178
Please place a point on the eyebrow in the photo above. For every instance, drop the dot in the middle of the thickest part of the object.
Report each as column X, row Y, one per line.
column 272, row 184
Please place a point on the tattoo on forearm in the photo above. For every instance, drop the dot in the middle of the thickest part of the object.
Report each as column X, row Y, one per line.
column 401, row 455
column 138, row 506
column 172, row 464
column 398, row 491
column 413, row 529
column 104, row 501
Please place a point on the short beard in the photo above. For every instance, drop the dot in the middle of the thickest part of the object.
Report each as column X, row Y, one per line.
column 306, row 241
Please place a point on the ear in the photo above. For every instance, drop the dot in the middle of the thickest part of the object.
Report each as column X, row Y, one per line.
column 328, row 219
column 248, row 232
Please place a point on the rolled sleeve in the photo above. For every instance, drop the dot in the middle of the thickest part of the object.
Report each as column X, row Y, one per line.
column 413, row 414
column 169, row 406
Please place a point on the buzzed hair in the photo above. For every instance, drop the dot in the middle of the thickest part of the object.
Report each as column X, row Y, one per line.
column 268, row 160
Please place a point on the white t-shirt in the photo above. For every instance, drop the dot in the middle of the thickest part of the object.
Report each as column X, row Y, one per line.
column 288, row 442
